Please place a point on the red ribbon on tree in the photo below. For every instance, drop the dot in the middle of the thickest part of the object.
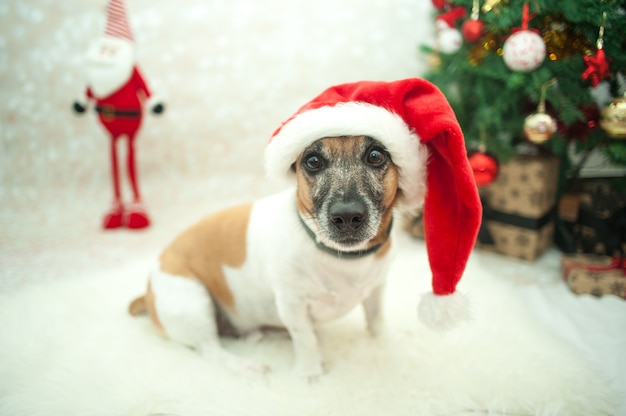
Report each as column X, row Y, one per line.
column 597, row 68
column 597, row 64
column 526, row 18
column 452, row 15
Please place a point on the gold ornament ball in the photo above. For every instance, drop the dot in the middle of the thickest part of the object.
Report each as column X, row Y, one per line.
column 613, row 118
column 539, row 127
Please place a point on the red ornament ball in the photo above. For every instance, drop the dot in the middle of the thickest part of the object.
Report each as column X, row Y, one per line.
column 484, row 167
column 439, row 4
column 472, row 30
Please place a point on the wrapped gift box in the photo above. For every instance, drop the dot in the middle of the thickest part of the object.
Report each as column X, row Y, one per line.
column 518, row 207
column 595, row 275
column 592, row 217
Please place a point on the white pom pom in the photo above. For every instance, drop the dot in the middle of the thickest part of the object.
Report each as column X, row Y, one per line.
column 443, row 312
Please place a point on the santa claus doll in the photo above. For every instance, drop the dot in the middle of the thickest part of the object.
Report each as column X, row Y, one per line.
column 119, row 93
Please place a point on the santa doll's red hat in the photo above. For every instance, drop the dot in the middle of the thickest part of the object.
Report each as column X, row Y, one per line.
column 117, row 25
column 414, row 121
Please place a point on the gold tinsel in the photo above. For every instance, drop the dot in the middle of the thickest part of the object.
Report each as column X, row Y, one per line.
column 561, row 41
column 487, row 44
column 493, row 5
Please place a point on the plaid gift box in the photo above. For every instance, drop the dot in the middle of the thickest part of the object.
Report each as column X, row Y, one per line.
column 518, row 207
column 592, row 217
column 595, row 275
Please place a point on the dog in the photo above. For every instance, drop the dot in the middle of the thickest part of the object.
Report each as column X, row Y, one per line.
column 293, row 260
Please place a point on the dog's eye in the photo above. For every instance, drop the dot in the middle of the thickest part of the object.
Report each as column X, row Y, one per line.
column 313, row 162
column 376, row 157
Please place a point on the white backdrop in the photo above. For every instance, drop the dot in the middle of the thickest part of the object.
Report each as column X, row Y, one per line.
column 229, row 72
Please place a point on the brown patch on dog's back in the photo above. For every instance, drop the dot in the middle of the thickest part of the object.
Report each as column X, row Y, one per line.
column 201, row 251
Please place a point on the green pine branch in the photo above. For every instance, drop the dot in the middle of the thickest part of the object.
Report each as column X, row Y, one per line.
column 491, row 101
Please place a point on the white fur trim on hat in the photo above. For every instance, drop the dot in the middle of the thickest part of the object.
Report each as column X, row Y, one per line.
column 353, row 119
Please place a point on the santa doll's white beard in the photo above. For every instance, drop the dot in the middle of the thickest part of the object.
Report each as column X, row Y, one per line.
column 107, row 73
column 106, row 80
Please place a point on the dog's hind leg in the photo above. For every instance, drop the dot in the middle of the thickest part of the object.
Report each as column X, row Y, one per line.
column 186, row 312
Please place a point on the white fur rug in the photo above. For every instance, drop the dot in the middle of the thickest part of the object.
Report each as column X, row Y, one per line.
column 230, row 72
column 70, row 348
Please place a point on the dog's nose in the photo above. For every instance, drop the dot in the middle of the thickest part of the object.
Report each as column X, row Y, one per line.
column 347, row 216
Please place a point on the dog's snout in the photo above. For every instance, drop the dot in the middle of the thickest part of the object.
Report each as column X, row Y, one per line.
column 347, row 216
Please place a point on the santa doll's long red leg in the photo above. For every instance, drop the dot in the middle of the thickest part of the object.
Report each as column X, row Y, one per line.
column 132, row 171
column 115, row 174
column 114, row 218
column 137, row 216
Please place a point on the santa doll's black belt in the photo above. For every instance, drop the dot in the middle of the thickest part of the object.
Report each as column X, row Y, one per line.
column 110, row 112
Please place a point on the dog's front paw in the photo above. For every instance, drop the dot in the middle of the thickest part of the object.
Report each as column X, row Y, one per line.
column 375, row 327
column 310, row 371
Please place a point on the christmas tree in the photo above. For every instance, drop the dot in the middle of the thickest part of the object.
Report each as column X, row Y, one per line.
column 545, row 72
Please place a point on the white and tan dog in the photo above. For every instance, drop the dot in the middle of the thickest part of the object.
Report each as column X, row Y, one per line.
column 313, row 253
column 304, row 256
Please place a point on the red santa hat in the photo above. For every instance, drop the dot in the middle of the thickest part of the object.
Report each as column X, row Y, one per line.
column 117, row 25
column 411, row 118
